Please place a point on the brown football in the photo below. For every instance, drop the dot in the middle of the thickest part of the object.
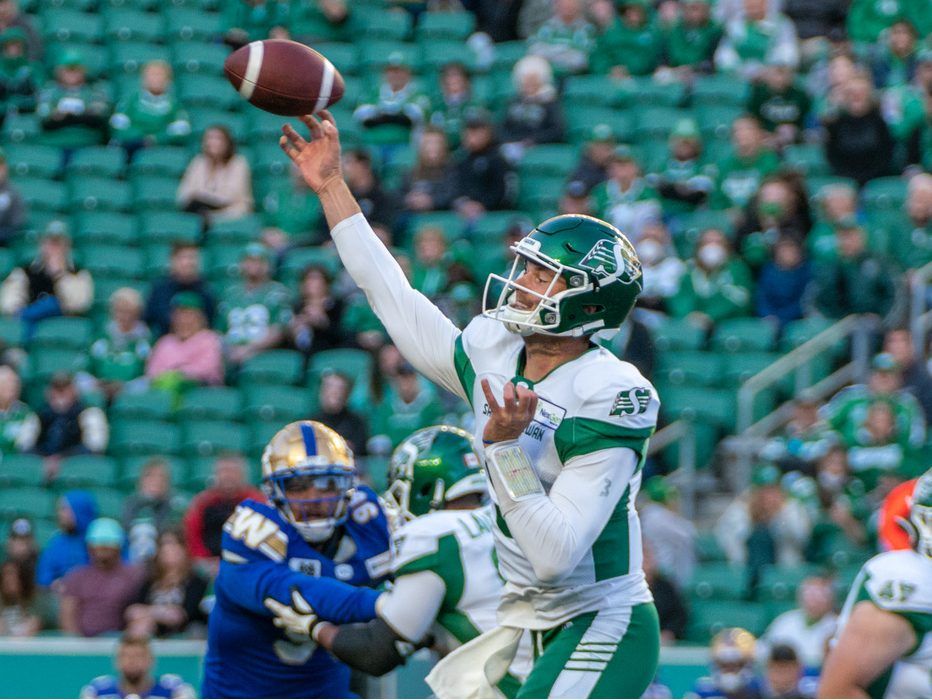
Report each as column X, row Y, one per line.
column 284, row 77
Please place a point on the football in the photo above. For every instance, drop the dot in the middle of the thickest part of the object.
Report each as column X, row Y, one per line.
column 284, row 77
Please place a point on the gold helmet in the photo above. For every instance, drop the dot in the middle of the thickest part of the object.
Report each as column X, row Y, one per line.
column 733, row 659
column 308, row 474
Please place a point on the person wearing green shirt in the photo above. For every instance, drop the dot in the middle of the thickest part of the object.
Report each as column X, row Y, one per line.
column 625, row 199
column 630, row 45
column 779, row 103
column 456, row 98
column 684, row 181
column 868, row 18
column 910, row 243
column 894, row 59
column 431, row 262
column 689, row 43
column 119, row 355
column 395, row 107
column 565, row 39
column 253, row 20
column 754, row 38
column 741, row 173
column 72, row 112
column 805, row 439
column 879, row 448
column 836, row 202
column 254, row 312
column 410, row 404
column 153, row 115
column 20, row 77
column 716, row 285
column 19, row 424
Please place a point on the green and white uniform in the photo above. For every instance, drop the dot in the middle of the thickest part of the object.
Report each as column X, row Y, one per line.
column 899, row 582
column 247, row 314
column 570, row 555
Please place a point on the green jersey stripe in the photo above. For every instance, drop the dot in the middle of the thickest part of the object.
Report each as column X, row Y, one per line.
column 581, row 436
column 464, row 369
column 611, row 555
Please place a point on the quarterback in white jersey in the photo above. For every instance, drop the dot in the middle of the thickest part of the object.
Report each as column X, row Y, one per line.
column 884, row 645
column 564, row 427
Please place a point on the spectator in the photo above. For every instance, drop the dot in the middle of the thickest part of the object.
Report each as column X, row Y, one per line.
column 779, row 209
column 153, row 115
column 317, row 320
column 68, row 426
column 19, row 425
column 592, row 167
column 633, row 343
column 119, row 356
column 805, row 439
column 575, row 199
column 12, row 18
column 255, row 311
column 808, row 628
column 671, row 610
column 731, row 668
column 625, row 199
column 67, row 549
column 661, row 269
column 880, row 453
column 184, row 275
column 827, row 81
column 456, row 98
column 394, row 108
column 481, row 172
column 12, row 207
column 21, row 544
column 410, row 405
column 756, row 38
column 858, row 282
column 858, row 142
column 51, row 285
column 94, row 597
column 817, row 21
column 910, row 243
column 838, row 202
column 18, row 616
column 784, row 677
column 151, row 510
column 629, row 45
column 867, row 19
column 670, row 536
column 565, row 39
column 690, row 42
column 134, row 663
column 191, row 353
column 779, row 104
column 335, row 413
column 431, row 262
column 375, row 202
column 291, row 212
column 253, row 20
column 783, row 283
column 20, row 74
column 741, row 172
column 684, row 181
column 430, row 185
column 534, row 115
column 898, row 342
column 895, row 58
column 72, row 112
column 203, row 523
column 170, row 600
column 716, row 284
column 217, row 183
column 841, row 508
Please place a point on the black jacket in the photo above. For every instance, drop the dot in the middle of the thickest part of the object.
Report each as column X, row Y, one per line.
column 483, row 177
column 859, row 147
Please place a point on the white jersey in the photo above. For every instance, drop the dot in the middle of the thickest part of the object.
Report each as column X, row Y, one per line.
column 587, row 443
column 900, row 582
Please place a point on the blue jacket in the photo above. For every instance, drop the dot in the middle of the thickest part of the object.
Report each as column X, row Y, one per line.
column 67, row 550
column 780, row 292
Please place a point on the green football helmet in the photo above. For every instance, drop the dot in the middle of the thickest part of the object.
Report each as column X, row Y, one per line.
column 431, row 467
column 598, row 263
column 920, row 514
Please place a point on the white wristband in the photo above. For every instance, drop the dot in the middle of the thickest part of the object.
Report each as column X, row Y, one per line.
column 514, row 470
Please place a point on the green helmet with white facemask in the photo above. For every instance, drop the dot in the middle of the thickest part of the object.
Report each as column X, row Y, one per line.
column 920, row 514
column 598, row 263
column 431, row 467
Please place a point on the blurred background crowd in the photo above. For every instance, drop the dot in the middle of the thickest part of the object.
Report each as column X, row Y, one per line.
column 169, row 297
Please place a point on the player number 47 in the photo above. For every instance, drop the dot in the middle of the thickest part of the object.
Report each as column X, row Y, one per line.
column 896, row 591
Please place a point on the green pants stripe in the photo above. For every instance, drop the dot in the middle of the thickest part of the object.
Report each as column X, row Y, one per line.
column 608, row 654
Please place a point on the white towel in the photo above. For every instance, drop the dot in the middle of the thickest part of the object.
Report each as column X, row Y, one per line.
column 474, row 669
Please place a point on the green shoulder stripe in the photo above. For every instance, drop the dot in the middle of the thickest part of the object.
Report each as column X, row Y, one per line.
column 447, row 563
column 464, row 368
column 581, row 436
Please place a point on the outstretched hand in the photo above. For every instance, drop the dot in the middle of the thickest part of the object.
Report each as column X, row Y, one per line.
column 318, row 159
column 509, row 420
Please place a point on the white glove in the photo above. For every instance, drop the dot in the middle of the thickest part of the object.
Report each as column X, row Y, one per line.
column 297, row 620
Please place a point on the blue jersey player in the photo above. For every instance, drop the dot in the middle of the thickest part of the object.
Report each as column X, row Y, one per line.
column 319, row 544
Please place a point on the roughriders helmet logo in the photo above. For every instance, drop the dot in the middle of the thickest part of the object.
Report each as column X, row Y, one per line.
column 630, row 402
column 606, row 258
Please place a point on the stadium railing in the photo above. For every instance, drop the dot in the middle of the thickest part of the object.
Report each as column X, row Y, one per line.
column 683, row 434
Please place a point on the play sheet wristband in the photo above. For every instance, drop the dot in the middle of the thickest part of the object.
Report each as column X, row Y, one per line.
column 514, row 470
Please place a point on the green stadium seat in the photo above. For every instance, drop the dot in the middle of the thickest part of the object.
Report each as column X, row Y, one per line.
column 82, row 471
column 11, row 330
column 709, row 618
column 276, row 403
column 297, row 260
column 200, row 472
column 580, row 128
column 208, row 90
column 718, row 90
column 133, row 466
column 690, row 226
column 373, row 55
column 98, row 161
column 109, row 502
column 20, row 128
column 884, row 193
column 191, row 24
column 154, row 193
column 744, row 334
column 436, row 54
column 781, row 582
column 203, row 118
column 260, row 434
column 62, row 332
column 222, row 263
column 798, row 332
column 269, row 159
column 540, row 192
column 708, row 549
column 149, row 405
column 342, row 54
column 456, row 26
column 721, row 581
column 549, row 159
column 657, row 122
column 678, row 334
column 170, row 226
column 113, row 261
column 105, row 227
column 158, row 258
column 211, row 403
column 381, row 25
column 164, row 161
column 714, row 406
column 134, row 25
column 142, row 5
column 646, row 92
column 43, row 195
column 26, row 502
column 43, row 531
column 195, row 57
column 64, row 25
column 44, row 362
column 807, row 158
column 715, row 120
column 20, row 470
column 741, row 366
column 129, row 57
column 210, row 438
column 272, row 367
column 355, row 364
column 598, row 90
column 79, row 5
column 450, row 222
column 33, row 160
column 691, row 368
column 144, row 437
column 98, row 194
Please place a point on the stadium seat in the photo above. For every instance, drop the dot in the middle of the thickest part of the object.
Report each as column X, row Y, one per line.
column 298, row 259
column 456, row 26
column 884, row 193
column 105, row 227
column 450, row 222
column 741, row 366
column 208, row 90
column 11, row 331
column 795, row 333
column 195, row 57
column 63, row 25
column 109, row 502
column 26, row 502
column 81, row 471
column 598, row 90
column 657, row 122
column 555, row 159
column 43, row 362
column 710, row 617
column 713, row 406
column 708, row 549
column 242, row 230
column 143, row 5
column 149, row 405
column 718, row 582
column 169, row 226
column 153, row 193
column 113, row 261
column 715, row 120
column 342, row 54
column 678, row 334
column 373, row 55
column 144, row 437
column 33, row 160
column 260, row 434
column 806, row 158
column 134, row 25
column 276, row 403
column 210, row 438
column 191, row 24
column 744, row 334
column 20, row 128
column 381, row 25
column 690, row 368
column 98, row 194
column 718, row 90
column 355, row 364
column 163, row 161
column 436, row 54
column 158, row 258
column 646, row 92
column 43, row 195
column 129, row 57
column 222, row 263
column 210, row 403
column 272, row 367
column 98, row 161
column 580, row 128
column 203, row 118
column 133, row 466
column 62, row 332
column 540, row 192
column 781, row 582
column 20, row 470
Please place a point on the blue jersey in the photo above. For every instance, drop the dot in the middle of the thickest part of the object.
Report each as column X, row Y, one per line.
column 265, row 556
column 167, row 686
column 706, row 687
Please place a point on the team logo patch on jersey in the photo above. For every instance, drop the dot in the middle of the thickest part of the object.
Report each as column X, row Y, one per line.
column 630, row 402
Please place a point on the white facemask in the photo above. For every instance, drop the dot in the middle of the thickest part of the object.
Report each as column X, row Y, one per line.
column 712, row 255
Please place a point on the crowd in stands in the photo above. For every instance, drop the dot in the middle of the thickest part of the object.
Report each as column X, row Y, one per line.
column 168, row 295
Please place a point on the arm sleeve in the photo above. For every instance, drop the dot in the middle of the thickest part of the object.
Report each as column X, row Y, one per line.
column 371, row 647
column 555, row 530
column 422, row 333
column 411, row 607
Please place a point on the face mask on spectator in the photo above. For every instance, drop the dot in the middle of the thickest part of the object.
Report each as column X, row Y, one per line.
column 712, row 256
column 650, row 251
column 830, row 481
